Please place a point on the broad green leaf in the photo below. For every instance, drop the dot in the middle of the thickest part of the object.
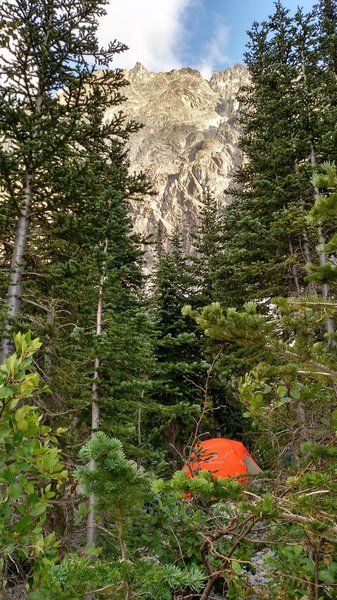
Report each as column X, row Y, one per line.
column 6, row 391
column 23, row 425
column 23, row 525
column 15, row 491
column 38, row 509
column 5, row 430
column 236, row 567
column 327, row 576
column 11, row 363
column 61, row 430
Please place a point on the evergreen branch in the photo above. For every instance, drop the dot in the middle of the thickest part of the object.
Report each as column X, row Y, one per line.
column 300, row 359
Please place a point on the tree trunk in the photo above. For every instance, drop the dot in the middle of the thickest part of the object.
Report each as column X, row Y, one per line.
column 95, row 412
column 294, row 270
column 305, row 243
column 308, row 261
column 14, row 291
column 91, row 522
column 122, row 548
column 17, row 269
column 322, row 254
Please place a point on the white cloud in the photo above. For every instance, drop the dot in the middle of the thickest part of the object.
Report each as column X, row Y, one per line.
column 153, row 30
column 215, row 51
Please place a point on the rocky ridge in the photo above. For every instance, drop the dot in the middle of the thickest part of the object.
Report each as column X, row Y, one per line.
column 189, row 143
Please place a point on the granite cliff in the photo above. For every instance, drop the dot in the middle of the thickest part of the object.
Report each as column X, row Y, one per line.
column 189, row 143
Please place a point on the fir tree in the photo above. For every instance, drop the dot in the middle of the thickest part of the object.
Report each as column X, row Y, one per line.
column 327, row 14
column 324, row 213
column 97, row 346
column 286, row 128
column 80, row 241
column 48, row 46
column 187, row 379
column 182, row 371
column 73, row 207
column 207, row 243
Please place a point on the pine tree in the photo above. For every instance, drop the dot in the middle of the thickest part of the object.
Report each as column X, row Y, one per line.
column 181, row 369
column 226, row 418
column 288, row 117
column 187, row 380
column 80, row 235
column 207, row 244
column 73, row 208
column 327, row 14
column 98, row 345
column 324, row 213
column 46, row 48
column 251, row 244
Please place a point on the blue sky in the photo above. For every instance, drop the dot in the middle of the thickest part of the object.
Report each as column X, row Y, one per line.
column 209, row 35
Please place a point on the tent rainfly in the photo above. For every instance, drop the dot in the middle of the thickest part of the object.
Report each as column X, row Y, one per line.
column 222, row 457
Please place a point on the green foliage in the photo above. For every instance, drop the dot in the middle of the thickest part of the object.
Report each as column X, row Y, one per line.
column 164, row 375
column 48, row 138
column 80, row 248
column 70, row 579
column 288, row 119
column 290, row 398
column 181, row 368
column 30, row 469
column 115, row 479
column 130, row 519
column 324, row 212
column 187, row 375
column 208, row 244
column 207, row 487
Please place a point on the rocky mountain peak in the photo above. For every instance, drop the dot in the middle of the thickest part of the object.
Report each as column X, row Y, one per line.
column 189, row 143
column 138, row 73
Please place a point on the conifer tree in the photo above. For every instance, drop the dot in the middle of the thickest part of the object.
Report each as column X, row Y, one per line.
column 80, row 234
column 187, row 378
column 48, row 46
column 288, row 117
column 324, row 212
column 99, row 347
column 207, row 243
column 208, row 240
column 252, row 244
column 68, row 191
column 327, row 15
column 181, row 369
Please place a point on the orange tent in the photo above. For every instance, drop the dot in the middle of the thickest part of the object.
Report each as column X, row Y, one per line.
column 222, row 457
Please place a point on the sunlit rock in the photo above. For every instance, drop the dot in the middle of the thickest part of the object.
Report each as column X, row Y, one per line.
column 189, row 143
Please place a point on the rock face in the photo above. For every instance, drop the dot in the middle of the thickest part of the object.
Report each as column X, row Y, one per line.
column 189, row 143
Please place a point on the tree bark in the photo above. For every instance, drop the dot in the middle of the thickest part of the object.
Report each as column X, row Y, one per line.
column 95, row 411
column 308, row 261
column 305, row 243
column 14, row 291
column 330, row 327
column 294, row 271
column 95, row 415
column 322, row 253
column 17, row 269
